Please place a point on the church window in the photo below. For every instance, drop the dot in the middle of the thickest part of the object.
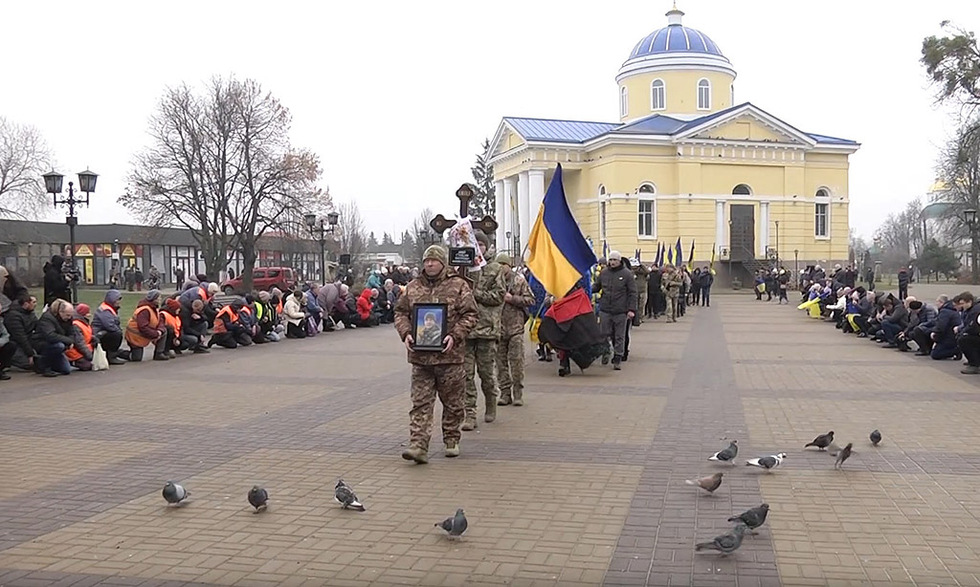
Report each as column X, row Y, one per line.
column 658, row 95
column 704, row 94
column 821, row 214
column 742, row 190
column 624, row 107
column 647, row 211
column 602, row 212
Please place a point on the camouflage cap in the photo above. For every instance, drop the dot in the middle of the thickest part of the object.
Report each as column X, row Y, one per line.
column 504, row 259
column 438, row 253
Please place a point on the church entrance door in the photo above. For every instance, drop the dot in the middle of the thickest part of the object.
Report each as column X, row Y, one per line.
column 742, row 232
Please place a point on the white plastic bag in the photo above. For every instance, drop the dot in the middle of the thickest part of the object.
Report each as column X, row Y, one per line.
column 100, row 362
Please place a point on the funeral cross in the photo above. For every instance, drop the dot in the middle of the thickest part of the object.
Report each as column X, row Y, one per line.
column 465, row 193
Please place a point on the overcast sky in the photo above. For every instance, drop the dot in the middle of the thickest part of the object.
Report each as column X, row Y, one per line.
column 397, row 96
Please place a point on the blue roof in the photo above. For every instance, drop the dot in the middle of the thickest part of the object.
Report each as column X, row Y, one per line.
column 675, row 38
column 577, row 131
column 563, row 131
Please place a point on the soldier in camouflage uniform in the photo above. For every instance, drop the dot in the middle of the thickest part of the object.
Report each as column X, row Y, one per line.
column 642, row 275
column 671, row 285
column 434, row 372
column 481, row 346
column 510, row 346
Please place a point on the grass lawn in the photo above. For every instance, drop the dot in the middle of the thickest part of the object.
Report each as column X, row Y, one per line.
column 94, row 297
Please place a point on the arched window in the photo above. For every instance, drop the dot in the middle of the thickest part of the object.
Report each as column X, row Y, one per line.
column 821, row 214
column 624, row 107
column 646, row 211
column 732, row 95
column 602, row 190
column 658, row 95
column 704, row 94
column 742, row 190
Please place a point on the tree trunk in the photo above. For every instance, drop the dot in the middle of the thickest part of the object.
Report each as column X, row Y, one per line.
column 248, row 259
column 975, row 255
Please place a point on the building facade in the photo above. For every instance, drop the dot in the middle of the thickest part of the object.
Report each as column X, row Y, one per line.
column 25, row 246
column 685, row 160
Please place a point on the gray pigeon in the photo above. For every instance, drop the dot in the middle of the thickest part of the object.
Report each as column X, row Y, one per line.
column 752, row 518
column 768, row 463
column 174, row 493
column 875, row 437
column 822, row 441
column 344, row 494
column 709, row 483
column 259, row 498
column 455, row 525
column 842, row 456
column 726, row 455
column 726, row 543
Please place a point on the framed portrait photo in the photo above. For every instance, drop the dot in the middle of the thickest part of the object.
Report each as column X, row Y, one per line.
column 429, row 326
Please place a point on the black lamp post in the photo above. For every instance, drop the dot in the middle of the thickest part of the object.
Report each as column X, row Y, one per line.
column 53, row 182
column 319, row 231
column 970, row 215
column 777, row 244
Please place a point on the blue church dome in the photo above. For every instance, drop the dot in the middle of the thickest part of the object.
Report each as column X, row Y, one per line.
column 675, row 38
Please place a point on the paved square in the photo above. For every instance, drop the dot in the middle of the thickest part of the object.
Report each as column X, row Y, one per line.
column 582, row 486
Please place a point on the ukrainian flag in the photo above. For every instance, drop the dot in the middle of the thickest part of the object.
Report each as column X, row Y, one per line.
column 559, row 254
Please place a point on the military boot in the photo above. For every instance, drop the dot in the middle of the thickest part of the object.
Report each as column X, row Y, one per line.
column 452, row 449
column 518, row 397
column 491, row 414
column 417, row 454
column 469, row 421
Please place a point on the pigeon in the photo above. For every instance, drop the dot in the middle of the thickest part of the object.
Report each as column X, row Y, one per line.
column 174, row 493
column 726, row 543
column 455, row 525
column 768, row 463
column 875, row 438
column 842, row 456
column 259, row 498
column 727, row 455
column 344, row 494
column 709, row 483
column 752, row 518
column 822, row 441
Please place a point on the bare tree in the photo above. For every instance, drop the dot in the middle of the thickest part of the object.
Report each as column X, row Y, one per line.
column 421, row 233
column 221, row 164
column 959, row 170
column 24, row 157
column 900, row 236
column 352, row 234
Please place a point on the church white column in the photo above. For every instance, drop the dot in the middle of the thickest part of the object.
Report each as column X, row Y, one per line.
column 522, row 209
column 536, row 197
column 507, row 215
column 720, row 240
column 498, row 205
column 763, row 228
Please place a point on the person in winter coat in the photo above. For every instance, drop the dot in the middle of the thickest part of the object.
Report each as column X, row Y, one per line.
column 327, row 299
column 903, row 283
column 707, row 279
column 365, row 305
column 146, row 328
column 968, row 335
column 510, row 346
column 10, row 289
column 292, row 313
column 21, row 322
column 54, row 335
column 56, row 284
column 943, row 333
column 105, row 325
column 81, row 353
column 617, row 305
column 896, row 320
column 231, row 326
column 313, row 304
column 7, row 350
column 656, row 303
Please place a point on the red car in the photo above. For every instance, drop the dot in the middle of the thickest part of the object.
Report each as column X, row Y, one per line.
column 263, row 278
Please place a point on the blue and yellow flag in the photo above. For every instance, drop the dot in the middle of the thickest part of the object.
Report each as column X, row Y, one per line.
column 559, row 254
column 678, row 253
column 690, row 258
column 670, row 255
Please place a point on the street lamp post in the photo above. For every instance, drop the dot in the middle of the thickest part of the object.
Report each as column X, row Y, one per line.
column 319, row 231
column 53, row 182
column 796, row 264
column 777, row 244
column 970, row 215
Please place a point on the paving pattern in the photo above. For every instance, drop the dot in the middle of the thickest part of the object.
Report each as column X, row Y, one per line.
column 582, row 486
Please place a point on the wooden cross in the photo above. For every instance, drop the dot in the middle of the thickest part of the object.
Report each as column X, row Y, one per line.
column 465, row 193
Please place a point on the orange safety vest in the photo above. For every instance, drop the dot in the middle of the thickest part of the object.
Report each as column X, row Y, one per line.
column 74, row 354
column 279, row 307
column 133, row 335
column 105, row 306
column 219, row 324
column 173, row 322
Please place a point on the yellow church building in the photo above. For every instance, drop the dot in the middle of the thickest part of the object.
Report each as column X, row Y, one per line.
column 684, row 161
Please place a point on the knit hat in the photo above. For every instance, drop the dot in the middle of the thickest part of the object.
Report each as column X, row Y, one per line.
column 264, row 296
column 277, row 292
column 438, row 253
column 83, row 309
column 615, row 256
column 153, row 295
column 213, row 288
column 482, row 238
column 504, row 259
column 172, row 305
column 112, row 296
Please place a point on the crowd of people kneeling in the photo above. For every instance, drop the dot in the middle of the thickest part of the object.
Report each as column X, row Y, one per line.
column 65, row 336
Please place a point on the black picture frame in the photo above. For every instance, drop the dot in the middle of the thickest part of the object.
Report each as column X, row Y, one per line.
column 425, row 337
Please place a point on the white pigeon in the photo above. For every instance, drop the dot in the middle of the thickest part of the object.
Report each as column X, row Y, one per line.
column 768, row 463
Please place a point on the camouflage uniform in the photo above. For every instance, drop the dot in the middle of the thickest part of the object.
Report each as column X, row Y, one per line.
column 481, row 346
column 510, row 346
column 433, row 372
column 671, row 284
column 642, row 274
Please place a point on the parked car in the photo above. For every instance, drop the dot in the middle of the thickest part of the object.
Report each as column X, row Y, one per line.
column 263, row 278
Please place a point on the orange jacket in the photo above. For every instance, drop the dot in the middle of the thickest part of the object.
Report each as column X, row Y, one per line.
column 219, row 322
column 136, row 337
column 172, row 322
column 85, row 328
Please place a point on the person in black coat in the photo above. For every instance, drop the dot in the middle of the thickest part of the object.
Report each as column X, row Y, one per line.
column 54, row 334
column 21, row 322
column 656, row 303
column 56, row 284
column 968, row 335
column 707, row 280
column 903, row 283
